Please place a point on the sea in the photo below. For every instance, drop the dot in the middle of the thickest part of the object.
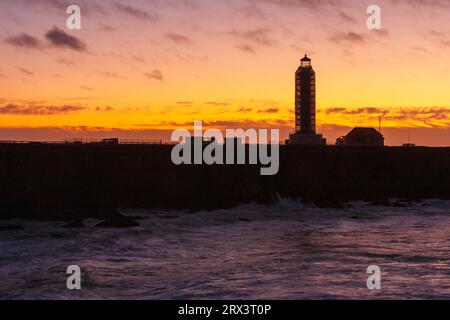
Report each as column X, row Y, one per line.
column 284, row 251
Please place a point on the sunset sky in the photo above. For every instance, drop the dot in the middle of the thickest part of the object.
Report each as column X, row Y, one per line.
column 139, row 69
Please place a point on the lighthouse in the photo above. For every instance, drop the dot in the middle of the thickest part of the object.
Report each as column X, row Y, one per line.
column 305, row 97
column 305, row 106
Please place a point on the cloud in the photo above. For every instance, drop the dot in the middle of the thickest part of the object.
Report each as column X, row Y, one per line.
column 178, row 38
column 305, row 4
column 25, row 71
column 367, row 110
column 439, row 37
column 269, row 110
column 416, row 116
column 111, row 75
column 14, row 109
column 61, row 39
column 419, row 49
column 107, row 28
column 185, row 103
column 138, row 59
column 436, row 33
column 155, row 74
column 66, row 62
column 217, row 103
column 24, row 40
column 346, row 17
column 56, row 4
column 259, row 37
column 425, row 3
column 88, row 7
column 207, row 103
column 104, row 109
column 252, row 10
column 246, row 48
column 135, row 12
column 348, row 37
column 247, row 123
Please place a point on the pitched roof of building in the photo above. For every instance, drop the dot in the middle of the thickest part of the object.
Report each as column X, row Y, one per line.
column 364, row 131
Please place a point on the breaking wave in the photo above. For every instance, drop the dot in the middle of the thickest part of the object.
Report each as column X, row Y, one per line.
column 284, row 251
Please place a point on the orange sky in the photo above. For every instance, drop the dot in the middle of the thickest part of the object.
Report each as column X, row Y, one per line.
column 143, row 68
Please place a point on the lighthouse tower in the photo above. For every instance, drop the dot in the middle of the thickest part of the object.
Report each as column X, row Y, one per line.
column 305, row 97
column 305, row 106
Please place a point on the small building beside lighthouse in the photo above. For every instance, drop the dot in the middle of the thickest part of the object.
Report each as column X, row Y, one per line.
column 361, row 137
column 305, row 106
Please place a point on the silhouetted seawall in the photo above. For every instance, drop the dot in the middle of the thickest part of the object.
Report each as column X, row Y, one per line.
column 44, row 181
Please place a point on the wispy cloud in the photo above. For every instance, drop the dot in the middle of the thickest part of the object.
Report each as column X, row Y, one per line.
column 14, row 109
column 178, row 38
column 346, row 17
column 305, row 4
column 66, row 62
column 419, row 49
column 107, row 28
column 358, row 111
column 269, row 110
column 420, row 116
column 251, row 40
column 25, row 71
column 24, row 40
column 155, row 74
column 59, row 38
column 424, row 3
column 136, row 12
column 247, row 123
column 245, row 109
column 56, row 4
column 261, row 36
column 111, row 75
column 138, row 59
column 439, row 37
column 246, row 48
column 88, row 7
column 347, row 37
